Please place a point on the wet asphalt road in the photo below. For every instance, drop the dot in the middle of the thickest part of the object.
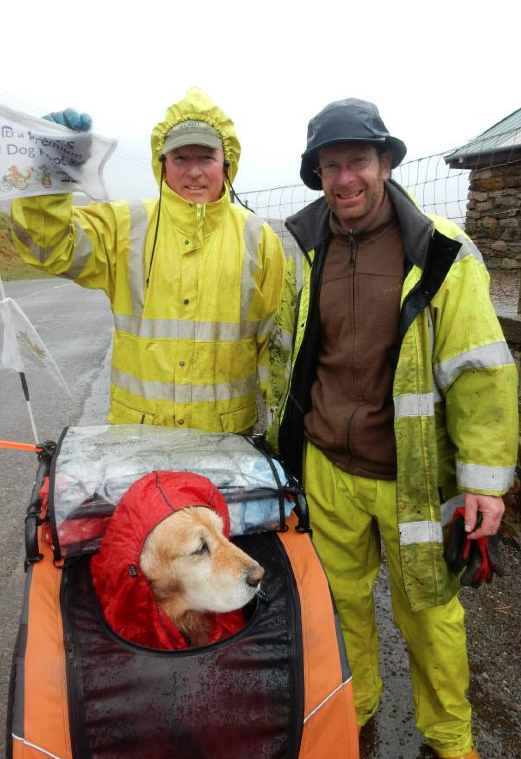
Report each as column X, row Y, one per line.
column 76, row 326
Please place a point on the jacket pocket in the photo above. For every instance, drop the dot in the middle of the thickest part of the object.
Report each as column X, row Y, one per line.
column 121, row 414
column 240, row 421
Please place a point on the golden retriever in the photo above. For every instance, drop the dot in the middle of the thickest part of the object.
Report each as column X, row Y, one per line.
column 194, row 571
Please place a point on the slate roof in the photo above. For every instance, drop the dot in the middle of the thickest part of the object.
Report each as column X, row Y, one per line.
column 501, row 140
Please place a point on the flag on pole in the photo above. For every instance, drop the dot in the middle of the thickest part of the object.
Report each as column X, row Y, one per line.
column 22, row 343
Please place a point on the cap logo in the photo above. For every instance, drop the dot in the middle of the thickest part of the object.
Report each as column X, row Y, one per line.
column 191, row 125
column 191, row 132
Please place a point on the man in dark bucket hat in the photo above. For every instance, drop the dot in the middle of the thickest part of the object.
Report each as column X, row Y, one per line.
column 393, row 396
column 348, row 120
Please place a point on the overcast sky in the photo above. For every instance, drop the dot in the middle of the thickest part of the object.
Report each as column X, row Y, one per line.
column 440, row 73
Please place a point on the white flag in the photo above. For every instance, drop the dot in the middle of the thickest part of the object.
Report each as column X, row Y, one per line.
column 21, row 341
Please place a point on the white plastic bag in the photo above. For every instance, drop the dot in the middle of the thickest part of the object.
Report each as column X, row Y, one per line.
column 39, row 157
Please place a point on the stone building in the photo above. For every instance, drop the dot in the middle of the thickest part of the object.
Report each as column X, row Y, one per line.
column 493, row 218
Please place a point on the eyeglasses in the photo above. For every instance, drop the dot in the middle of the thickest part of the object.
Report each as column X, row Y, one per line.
column 355, row 165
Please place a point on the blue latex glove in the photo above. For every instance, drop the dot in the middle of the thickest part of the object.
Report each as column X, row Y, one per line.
column 80, row 122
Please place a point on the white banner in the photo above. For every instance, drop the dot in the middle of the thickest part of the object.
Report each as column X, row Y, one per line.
column 39, row 157
column 21, row 341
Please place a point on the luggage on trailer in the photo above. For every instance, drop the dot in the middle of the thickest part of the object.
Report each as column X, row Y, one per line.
column 280, row 688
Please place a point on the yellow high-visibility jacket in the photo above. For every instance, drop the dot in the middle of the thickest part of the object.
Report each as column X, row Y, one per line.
column 454, row 389
column 190, row 348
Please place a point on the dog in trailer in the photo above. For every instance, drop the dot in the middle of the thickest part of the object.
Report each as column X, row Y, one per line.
column 166, row 575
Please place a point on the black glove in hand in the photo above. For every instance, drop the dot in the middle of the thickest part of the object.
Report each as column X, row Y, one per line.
column 456, row 544
column 479, row 558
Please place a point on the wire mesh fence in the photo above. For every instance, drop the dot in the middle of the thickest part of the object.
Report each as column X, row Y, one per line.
column 438, row 189
column 478, row 187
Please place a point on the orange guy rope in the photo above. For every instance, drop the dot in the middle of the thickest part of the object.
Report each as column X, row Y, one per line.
column 20, row 446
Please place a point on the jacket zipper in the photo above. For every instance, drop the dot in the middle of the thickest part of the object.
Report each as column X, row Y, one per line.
column 352, row 262
column 352, row 247
column 353, row 250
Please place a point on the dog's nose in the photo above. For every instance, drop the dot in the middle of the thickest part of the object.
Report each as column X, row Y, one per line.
column 254, row 576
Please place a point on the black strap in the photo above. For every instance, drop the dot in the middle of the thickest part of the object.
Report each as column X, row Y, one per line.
column 52, row 511
column 291, row 489
column 32, row 516
column 280, row 490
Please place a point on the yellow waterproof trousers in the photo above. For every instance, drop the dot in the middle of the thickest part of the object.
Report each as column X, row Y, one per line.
column 349, row 516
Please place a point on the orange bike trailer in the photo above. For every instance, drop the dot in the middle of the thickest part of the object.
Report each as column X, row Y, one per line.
column 280, row 688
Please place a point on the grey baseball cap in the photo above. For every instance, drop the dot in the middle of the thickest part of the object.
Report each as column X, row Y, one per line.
column 349, row 120
column 192, row 133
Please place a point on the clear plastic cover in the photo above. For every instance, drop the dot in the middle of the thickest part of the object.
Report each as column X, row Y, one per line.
column 96, row 465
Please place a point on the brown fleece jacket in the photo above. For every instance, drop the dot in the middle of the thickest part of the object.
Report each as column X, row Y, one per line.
column 352, row 415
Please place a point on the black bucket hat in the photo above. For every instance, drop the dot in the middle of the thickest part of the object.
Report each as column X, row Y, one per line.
column 349, row 120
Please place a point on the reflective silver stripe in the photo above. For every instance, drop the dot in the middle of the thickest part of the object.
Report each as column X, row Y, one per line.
column 42, row 254
column 410, row 404
column 486, row 356
column 189, row 393
column 468, row 248
column 185, row 329
column 136, row 260
column 484, row 477
column 82, row 252
column 420, row 532
column 264, row 373
column 43, row 751
column 449, row 507
column 326, row 699
column 265, row 326
column 252, row 233
column 178, row 329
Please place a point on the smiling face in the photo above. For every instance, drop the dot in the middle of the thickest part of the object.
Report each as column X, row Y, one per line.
column 196, row 173
column 354, row 194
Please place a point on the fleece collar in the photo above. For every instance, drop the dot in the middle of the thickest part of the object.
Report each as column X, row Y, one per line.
column 310, row 227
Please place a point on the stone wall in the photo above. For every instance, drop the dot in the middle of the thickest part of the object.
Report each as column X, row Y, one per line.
column 493, row 217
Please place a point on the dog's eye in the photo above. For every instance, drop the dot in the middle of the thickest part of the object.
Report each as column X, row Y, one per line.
column 203, row 548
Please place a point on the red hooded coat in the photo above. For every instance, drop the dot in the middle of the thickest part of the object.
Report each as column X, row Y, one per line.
column 128, row 604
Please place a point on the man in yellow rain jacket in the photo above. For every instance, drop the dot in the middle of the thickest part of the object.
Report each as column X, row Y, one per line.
column 192, row 279
column 394, row 396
